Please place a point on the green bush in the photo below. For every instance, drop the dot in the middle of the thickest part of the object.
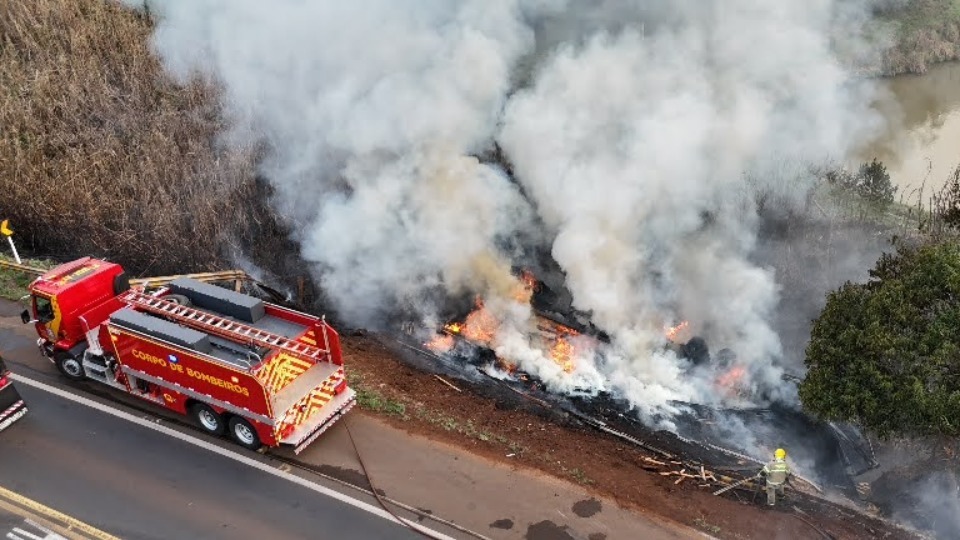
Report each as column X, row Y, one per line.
column 886, row 353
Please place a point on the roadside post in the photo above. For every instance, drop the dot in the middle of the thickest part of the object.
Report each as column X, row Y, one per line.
column 8, row 232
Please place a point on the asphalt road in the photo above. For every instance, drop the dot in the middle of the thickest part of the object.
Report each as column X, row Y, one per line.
column 137, row 483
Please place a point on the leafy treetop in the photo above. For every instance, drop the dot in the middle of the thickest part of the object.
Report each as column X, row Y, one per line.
column 886, row 353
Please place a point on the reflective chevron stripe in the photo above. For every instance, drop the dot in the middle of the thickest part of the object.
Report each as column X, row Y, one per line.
column 281, row 371
column 314, row 401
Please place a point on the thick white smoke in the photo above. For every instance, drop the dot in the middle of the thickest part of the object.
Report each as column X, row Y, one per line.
column 370, row 111
column 640, row 134
column 635, row 148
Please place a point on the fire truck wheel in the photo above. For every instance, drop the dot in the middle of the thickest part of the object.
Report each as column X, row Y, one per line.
column 69, row 365
column 207, row 419
column 243, row 433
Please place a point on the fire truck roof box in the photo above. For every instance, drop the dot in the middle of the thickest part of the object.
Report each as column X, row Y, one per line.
column 161, row 329
column 224, row 301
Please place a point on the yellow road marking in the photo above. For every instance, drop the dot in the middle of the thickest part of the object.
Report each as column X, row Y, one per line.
column 71, row 523
column 33, row 519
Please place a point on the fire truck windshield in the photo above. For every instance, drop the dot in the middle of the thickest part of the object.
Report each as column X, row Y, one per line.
column 44, row 309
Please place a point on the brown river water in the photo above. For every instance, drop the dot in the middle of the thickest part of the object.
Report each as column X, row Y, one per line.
column 921, row 145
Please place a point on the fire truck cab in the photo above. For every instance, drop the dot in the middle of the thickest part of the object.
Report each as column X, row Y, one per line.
column 262, row 373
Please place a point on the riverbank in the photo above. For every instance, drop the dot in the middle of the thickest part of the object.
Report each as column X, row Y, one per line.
column 921, row 132
column 926, row 32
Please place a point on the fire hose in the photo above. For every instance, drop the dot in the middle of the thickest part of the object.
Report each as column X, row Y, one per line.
column 426, row 533
column 737, row 484
column 602, row 426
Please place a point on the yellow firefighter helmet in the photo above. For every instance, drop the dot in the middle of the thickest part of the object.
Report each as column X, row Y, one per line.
column 780, row 454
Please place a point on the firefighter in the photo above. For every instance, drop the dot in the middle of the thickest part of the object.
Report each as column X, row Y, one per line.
column 776, row 473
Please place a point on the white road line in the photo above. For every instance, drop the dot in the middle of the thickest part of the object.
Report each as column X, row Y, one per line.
column 377, row 511
column 50, row 535
column 28, row 534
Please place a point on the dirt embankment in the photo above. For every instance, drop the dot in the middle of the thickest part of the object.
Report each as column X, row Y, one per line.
column 421, row 403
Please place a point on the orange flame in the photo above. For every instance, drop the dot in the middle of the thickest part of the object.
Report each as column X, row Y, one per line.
column 506, row 365
column 525, row 287
column 480, row 325
column 441, row 343
column 453, row 328
column 732, row 378
column 562, row 353
column 674, row 332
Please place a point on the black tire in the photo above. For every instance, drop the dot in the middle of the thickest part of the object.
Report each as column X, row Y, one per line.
column 207, row 419
column 243, row 433
column 70, row 366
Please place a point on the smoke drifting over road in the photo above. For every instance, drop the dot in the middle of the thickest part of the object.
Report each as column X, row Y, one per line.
column 640, row 135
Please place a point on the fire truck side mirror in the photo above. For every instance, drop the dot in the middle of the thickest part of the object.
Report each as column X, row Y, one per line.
column 25, row 317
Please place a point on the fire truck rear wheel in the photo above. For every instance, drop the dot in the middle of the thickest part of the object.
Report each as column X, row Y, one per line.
column 243, row 433
column 69, row 365
column 207, row 419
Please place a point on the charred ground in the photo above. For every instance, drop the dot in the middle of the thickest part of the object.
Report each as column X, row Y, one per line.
column 503, row 425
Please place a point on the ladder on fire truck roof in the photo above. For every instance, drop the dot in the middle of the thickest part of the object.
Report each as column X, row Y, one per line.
column 222, row 327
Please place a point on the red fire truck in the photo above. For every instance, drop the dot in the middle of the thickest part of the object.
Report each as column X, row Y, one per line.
column 12, row 407
column 263, row 374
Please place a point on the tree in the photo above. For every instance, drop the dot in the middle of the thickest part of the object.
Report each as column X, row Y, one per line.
column 886, row 353
column 873, row 183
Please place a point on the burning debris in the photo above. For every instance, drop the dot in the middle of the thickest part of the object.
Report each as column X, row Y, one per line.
column 734, row 439
column 570, row 349
column 678, row 333
column 480, row 327
column 731, row 381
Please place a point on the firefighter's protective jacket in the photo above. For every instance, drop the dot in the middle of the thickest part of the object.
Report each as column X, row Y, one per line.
column 776, row 472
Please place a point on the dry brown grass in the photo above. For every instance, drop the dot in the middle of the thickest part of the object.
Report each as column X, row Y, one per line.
column 101, row 154
column 928, row 31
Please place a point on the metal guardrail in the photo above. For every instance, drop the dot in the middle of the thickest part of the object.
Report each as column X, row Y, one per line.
column 22, row 268
column 159, row 281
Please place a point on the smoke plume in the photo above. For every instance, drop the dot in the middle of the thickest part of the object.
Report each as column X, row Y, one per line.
column 639, row 136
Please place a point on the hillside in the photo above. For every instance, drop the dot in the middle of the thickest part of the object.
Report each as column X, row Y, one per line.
column 101, row 153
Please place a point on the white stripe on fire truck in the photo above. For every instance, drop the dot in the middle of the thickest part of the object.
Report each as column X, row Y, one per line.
column 250, row 462
column 170, row 385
